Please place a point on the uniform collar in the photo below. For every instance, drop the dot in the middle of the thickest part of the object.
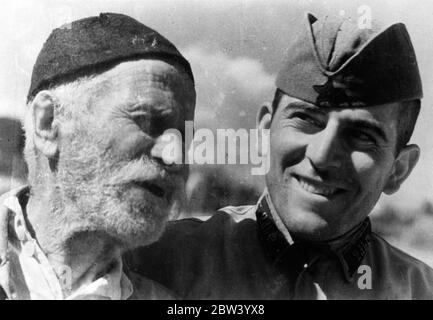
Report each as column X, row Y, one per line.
column 350, row 249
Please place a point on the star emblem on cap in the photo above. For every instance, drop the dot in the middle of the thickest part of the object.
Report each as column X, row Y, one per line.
column 338, row 92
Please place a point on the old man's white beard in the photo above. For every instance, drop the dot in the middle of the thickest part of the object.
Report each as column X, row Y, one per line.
column 92, row 195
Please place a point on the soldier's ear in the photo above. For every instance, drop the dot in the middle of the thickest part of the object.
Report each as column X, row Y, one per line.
column 263, row 123
column 45, row 129
column 264, row 116
column 403, row 166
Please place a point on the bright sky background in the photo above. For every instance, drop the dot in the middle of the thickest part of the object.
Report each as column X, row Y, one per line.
column 235, row 48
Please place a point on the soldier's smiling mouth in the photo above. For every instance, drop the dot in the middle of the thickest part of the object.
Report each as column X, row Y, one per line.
column 318, row 187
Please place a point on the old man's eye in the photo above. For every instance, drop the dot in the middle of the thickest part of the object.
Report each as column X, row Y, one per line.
column 162, row 122
column 143, row 121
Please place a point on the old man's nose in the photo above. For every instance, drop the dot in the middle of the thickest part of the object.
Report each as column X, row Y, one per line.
column 168, row 149
column 325, row 149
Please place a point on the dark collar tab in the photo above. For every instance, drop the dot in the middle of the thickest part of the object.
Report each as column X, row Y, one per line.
column 277, row 248
column 352, row 254
column 271, row 237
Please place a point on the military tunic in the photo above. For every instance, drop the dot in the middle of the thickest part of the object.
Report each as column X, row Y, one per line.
column 239, row 253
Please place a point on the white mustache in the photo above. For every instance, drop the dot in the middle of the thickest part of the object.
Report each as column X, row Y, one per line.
column 142, row 169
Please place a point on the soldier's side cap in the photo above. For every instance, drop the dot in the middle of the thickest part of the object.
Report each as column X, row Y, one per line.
column 81, row 47
column 335, row 63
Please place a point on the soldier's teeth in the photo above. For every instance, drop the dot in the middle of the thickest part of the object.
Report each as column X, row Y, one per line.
column 314, row 188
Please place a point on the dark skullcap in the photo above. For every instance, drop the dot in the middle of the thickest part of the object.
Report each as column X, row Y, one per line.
column 336, row 63
column 87, row 45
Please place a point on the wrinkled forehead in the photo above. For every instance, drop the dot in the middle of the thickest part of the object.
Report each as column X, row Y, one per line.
column 141, row 80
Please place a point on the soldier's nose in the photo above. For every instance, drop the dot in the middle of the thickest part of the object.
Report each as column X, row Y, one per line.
column 325, row 150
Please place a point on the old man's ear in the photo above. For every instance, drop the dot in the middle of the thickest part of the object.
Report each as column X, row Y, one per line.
column 403, row 166
column 45, row 130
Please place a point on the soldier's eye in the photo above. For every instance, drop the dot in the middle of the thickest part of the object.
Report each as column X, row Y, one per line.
column 306, row 119
column 363, row 138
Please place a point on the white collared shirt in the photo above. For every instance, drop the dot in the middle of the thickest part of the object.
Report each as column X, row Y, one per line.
column 39, row 280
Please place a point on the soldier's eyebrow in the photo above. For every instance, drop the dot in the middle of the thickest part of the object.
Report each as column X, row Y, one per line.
column 368, row 125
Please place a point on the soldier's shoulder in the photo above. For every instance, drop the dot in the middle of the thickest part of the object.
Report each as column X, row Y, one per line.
column 396, row 256
column 403, row 268
column 193, row 245
column 227, row 217
column 239, row 213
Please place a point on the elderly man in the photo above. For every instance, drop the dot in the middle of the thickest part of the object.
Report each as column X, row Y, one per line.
column 345, row 107
column 103, row 91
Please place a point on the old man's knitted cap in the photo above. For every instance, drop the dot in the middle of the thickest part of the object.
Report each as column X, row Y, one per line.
column 336, row 63
column 86, row 45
